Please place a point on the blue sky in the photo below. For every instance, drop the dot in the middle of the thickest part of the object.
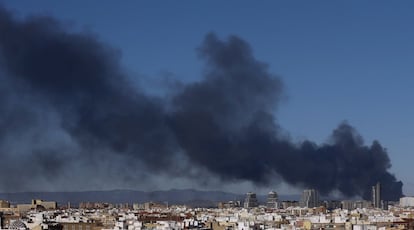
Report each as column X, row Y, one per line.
column 339, row 60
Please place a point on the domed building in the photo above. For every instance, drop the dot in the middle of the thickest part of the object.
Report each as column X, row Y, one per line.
column 17, row 225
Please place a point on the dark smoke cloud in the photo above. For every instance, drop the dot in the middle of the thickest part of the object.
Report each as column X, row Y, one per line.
column 226, row 124
column 67, row 110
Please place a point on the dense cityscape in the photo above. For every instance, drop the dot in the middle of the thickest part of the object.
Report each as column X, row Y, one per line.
column 310, row 212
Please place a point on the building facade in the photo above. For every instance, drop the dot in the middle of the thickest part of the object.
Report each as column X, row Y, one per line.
column 376, row 195
column 310, row 198
column 251, row 200
column 272, row 200
column 407, row 201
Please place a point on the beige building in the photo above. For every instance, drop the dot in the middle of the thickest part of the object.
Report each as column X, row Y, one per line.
column 37, row 204
column 4, row 204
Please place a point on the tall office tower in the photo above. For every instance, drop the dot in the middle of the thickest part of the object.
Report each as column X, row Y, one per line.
column 376, row 195
column 251, row 200
column 310, row 198
column 272, row 200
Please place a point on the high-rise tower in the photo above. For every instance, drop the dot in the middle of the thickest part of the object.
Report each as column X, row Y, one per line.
column 376, row 195
column 310, row 198
column 251, row 200
column 272, row 200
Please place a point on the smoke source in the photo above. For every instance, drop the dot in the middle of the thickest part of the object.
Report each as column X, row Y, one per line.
column 68, row 109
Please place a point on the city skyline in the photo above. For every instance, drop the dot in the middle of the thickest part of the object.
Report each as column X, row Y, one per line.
column 331, row 70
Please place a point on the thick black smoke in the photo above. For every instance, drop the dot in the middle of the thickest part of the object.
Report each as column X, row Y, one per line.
column 66, row 106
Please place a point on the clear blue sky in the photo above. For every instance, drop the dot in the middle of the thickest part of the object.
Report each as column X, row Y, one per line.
column 339, row 60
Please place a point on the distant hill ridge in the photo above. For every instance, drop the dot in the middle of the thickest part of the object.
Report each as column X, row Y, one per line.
column 173, row 196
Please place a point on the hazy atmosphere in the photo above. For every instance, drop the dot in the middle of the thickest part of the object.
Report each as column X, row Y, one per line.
column 207, row 95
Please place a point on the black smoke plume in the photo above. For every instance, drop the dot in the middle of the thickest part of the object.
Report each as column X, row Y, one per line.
column 67, row 108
